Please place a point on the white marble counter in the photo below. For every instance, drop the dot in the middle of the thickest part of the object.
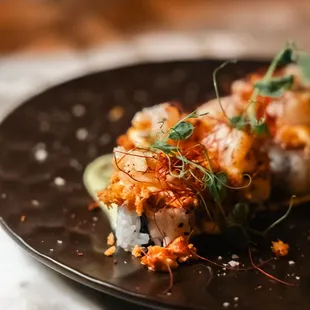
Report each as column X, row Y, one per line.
column 25, row 284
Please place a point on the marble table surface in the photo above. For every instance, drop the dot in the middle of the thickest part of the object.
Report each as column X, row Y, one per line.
column 25, row 283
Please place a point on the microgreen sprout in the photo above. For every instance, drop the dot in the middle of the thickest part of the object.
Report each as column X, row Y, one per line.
column 216, row 183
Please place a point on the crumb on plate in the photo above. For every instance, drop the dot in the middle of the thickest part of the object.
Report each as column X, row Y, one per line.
column 110, row 251
column 137, row 251
column 92, row 206
column 280, row 248
column 110, row 239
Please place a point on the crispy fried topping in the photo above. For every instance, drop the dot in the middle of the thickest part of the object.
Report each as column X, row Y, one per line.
column 162, row 258
column 110, row 251
column 137, row 251
column 110, row 239
column 280, row 248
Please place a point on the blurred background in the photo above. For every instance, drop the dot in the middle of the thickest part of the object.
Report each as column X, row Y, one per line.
column 38, row 26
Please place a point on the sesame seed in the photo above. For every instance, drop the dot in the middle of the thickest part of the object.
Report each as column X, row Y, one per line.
column 59, row 241
column 297, row 278
column 236, row 298
column 291, row 263
column 226, row 304
column 78, row 110
column 104, row 139
column 233, row 263
column 40, row 155
column 81, row 134
column 75, row 164
column 59, row 181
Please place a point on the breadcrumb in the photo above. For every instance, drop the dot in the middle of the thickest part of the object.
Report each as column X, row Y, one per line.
column 164, row 258
column 94, row 205
column 280, row 248
column 137, row 251
column 110, row 251
column 111, row 239
column 116, row 113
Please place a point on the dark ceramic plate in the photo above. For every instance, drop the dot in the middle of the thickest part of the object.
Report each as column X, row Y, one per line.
column 53, row 223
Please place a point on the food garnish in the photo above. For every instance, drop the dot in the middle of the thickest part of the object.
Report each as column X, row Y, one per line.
column 280, row 248
column 207, row 171
column 110, row 251
column 111, row 239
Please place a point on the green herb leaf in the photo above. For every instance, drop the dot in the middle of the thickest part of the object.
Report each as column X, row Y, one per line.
column 237, row 122
column 260, row 129
column 181, row 131
column 217, row 186
column 303, row 60
column 274, row 87
column 194, row 114
column 163, row 146
column 286, row 57
column 239, row 214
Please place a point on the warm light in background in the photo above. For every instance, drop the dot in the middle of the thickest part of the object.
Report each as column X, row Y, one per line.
column 71, row 24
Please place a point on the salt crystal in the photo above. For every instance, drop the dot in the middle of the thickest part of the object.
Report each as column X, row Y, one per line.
column 226, row 304
column 78, row 110
column 52, row 250
column 59, row 181
column 81, row 134
column 291, row 263
column 297, row 278
column 220, row 258
column 59, row 241
column 235, row 257
column 75, row 164
column 233, row 263
column 236, row 298
column 40, row 155
column 105, row 139
column 44, row 125
column 35, row 202
column 95, row 218
column 140, row 95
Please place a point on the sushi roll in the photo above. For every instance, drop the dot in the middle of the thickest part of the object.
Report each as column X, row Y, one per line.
column 175, row 174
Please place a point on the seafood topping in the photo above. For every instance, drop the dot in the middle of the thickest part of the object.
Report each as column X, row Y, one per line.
column 209, row 170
